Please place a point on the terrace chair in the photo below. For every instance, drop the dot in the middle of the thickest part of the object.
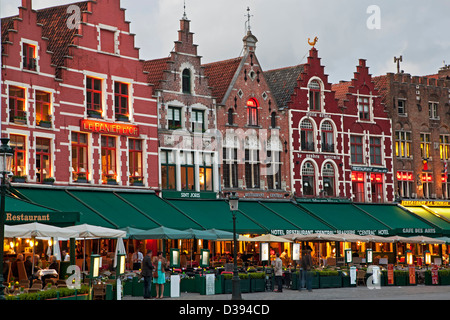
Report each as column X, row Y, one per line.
column 361, row 277
column 98, row 292
column 22, row 271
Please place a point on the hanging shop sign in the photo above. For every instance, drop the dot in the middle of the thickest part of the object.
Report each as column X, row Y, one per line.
column 118, row 129
column 189, row 195
column 369, row 169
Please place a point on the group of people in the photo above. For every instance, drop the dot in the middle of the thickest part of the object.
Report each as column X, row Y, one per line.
column 305, row 269
column 31, row 271
column 153, row 271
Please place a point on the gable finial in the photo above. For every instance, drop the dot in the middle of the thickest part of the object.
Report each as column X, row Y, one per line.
column 248, row 15
column 184, row 13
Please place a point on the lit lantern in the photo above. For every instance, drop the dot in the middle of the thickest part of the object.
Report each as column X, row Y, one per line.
column 409, row 257
column 369, row 256
column 95, row 266
column 348, row 256
column 121, row 264
column 427, row 257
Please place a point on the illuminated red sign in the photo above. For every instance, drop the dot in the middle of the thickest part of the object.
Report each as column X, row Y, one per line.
column 118, row 129
column 404, row 176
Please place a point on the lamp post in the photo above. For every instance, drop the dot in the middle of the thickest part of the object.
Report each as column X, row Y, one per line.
column 236, row 284
column 6, row 155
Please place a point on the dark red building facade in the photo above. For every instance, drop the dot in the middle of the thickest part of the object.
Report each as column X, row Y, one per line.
column 340, row 144
column 76, row 103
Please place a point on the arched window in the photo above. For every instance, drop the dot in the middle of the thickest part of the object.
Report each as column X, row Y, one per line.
column 186, row 81
column 314, row 95
column 307, row 135
column 327, row 137
column 308, row 178
column 230, row 116
column 328, row 180
column 252, row 112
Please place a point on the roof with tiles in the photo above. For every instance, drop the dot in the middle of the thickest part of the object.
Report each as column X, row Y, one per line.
column 381, row 83
column 282, row 83
column 220, row 75
column 341, row 90
column 155, row 69
column 54, row 27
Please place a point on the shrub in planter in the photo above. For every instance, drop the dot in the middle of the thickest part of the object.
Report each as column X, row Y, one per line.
column 257, row 281
column 401, row 278
column 330, row 279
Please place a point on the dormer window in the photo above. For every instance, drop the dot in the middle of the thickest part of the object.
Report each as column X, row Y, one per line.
column 186, row 79
column 29, row 57
column 314, row 96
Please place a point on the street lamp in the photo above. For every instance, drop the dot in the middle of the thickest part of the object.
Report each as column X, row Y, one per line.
column 6, row 156
column 233, row 200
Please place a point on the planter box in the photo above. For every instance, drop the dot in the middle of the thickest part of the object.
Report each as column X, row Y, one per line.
column 114, row 183
column 227, row 286
column 44, row 124
column 345, row 280
column 138, row 184
column 330, row 281
column 128, row 288
column 257, row 285
column 81, row 180
column 188, row 285
column 166, row 290
column 219, row 284
column 444, row 280
column 245, row 285
column 400, row 280
column 19, row 179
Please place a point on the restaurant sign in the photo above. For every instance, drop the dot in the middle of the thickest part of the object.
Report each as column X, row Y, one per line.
column 119, row 129
column 189, row 195
column 428, row 203
column 57, row 218
column 369, row 169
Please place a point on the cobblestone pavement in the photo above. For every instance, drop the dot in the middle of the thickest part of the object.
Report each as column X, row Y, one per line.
column 419, row 292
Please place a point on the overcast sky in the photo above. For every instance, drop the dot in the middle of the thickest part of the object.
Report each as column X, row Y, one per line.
column 347, row 31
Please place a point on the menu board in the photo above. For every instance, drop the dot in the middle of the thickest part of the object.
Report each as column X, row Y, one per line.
column 412, row 274
column 265, row 252
column 390, row 274
column 434, row 274
column 296, row 251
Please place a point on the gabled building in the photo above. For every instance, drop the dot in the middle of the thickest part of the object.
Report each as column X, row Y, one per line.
column 420, row 112
column 367, row 139
column 254, row 129
column 186, row 121
column 76, row 103
column 340, row 136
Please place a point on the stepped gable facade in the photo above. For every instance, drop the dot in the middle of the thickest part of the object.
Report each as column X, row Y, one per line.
column 78, row 107
column 255, row 136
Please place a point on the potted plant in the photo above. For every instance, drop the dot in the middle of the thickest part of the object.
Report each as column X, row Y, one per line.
column 138, row 183
column 81, row 178
column 330, row 279
column 20, row 119
column 49, row 180
column 45, row 124
column 111, row 181
column 122, row 117
column 19, row 179
column 401, row 278
column 257, row 281
column 94, row 114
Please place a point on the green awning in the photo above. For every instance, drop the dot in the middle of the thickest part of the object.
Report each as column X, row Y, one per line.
column 18, row 205
column 401, row 221
column 111, row 206
column 346, row 217
column 298, row 217
column 216, row 214
column 61, row 200
column 266, row 217
column 160, row 211
column 433, row 215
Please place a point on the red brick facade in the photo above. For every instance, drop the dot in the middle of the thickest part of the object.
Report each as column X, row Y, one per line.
column 255, row 161
column 57, row 74
column 419, row 108
column 187, row 118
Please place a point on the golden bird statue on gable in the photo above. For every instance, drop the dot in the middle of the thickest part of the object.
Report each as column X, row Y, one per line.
column 313, row 43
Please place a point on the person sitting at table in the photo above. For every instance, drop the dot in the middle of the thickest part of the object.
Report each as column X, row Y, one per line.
column 54, row 266
column 14, row 268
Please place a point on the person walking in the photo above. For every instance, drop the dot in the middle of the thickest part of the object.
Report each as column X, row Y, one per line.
column 278, row 271
column 159, row 277
column 147, row 269
column 306, row 265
